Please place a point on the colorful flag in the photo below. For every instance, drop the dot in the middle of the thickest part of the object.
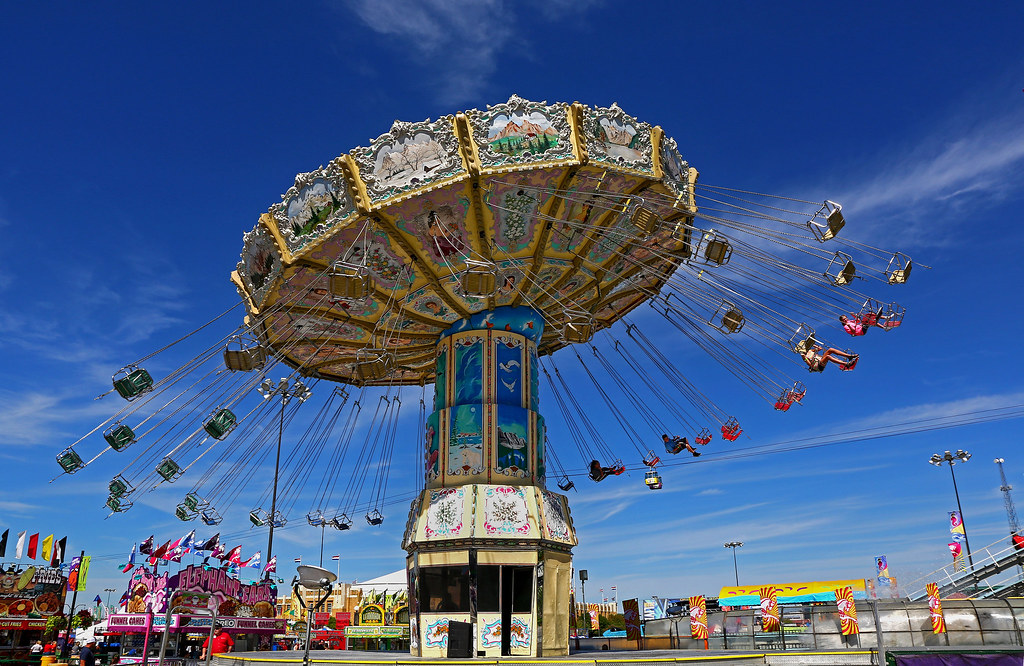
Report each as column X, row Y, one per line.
column 125, row 568
column 769, row 608
column 47, row 548
column 209, row 544
column 298, row 560
column 847, row 611
column 935, row 609
column 76, row 563
column 631, row 615
column 253, row 561
column 958, row 556
column 159, row 553
column 698, row 618
column 3, row 543
column 59, row 549
column 218, row 551
column 595, row 624
column 97, row 600
column 33, row 545
column 146, row 547
column 19, row 550
column 83, row 573
column 188, row 541
column 956, row 526
column 882, row 567
column 234, row 555
column 336, row 558
column 271, row 566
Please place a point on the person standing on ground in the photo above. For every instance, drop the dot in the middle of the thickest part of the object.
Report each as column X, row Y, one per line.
column 221, row 642
column 87, row 656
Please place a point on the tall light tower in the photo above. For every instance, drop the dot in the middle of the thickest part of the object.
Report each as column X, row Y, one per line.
column 735, row 569
column 951, row 459
column 1011, row 513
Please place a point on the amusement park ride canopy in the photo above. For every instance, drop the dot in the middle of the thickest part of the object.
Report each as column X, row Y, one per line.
column 579, row 213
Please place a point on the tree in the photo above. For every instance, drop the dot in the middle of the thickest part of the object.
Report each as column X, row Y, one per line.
column 614, row 621
column 332, row 622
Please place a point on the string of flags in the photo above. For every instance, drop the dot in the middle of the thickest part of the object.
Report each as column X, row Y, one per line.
column 49, row 550
column 211, row 548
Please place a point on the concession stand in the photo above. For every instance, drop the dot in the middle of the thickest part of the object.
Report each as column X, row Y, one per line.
column 29, row 595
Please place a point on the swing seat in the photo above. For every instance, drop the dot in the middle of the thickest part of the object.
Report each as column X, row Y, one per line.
column 732, row 321
column 246, row 359
column 651, row 459
column 70, row 461
column 596, row 472
column 349, row 282
column 898, row 271
column 782, row 405
column 578, row 326
column 210, row 517
column 565, row 484
column 731, row 430
column 182, row 513
column 316, row 519
column 168, row 470
column 718, row 252
column 220, row 424
column 617, row 468
column 132, row 381
column 480, row 279
column 834, row 222
column 257, row 518
column 119, row 436
column 802, row 339
column 193, row 502
column 653, row 480
column 373, row 363
column 279, row 520
column 117, row 505
column 340, row 522
column 119, row 486
column 374, row 518
column 643, row 219
column 703, row 437
column 844, row 275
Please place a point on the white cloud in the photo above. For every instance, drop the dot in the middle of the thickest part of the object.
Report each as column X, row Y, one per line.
column 458, row 41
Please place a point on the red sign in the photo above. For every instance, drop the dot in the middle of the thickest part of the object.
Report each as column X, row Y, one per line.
column 342, row 619
column 321, row 618
column 22, row 624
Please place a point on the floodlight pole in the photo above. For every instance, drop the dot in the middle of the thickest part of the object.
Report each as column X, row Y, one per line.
column 586, row 611
column 735, row 568
column 947, row 457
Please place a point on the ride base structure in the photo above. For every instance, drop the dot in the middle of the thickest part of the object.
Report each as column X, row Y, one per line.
column 489, row 547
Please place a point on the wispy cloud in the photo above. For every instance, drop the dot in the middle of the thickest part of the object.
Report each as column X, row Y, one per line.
column 458, row 42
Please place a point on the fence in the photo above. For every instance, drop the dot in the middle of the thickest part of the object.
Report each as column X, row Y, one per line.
column 904, row 624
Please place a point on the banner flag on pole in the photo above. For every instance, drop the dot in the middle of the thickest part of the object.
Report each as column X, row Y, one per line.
column 146, row 547
column 935, row 609
column 125, row 568
column 33, row 544
column 631, row 615
column 770, row 620
column 20, row 548
column 698, row 618
column 58, row 552
column 76, row 563
column 3, row 543
column 847, row 611
column 882, row 567
column 271, row 566
column 83, row 573
column 47, row 548
column 958, row 556
column 956, row 526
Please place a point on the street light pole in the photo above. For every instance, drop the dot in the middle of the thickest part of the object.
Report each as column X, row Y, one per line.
column 735, row 569
column 286, row 392
column 586, row 612
column 947, row 457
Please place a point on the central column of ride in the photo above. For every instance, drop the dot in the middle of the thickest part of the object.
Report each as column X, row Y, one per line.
column 489, row 547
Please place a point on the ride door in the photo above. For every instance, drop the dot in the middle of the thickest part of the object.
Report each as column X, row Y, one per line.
column 505, row 609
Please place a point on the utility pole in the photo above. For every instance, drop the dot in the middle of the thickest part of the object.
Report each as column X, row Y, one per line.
column 1011, row 513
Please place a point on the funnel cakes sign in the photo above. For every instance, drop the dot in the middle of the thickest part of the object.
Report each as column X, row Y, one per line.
column 196, row 587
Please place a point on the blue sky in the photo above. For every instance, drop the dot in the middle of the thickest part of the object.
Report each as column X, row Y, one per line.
column 140, row 142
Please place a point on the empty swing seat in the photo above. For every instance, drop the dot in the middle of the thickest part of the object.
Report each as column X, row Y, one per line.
column 168, row 469
column 717, row 252
column 479, row 279
column 565, row 484
column 901, row 275
column 732, row 321
column 316, row 519
column 651, row 459
column 130, row 382
column 119, row 487
column 704, row 436
column 341, row 522
column 731, row 430
column 246, row 359
column 117, row 505
column 578, row 327
column 898, row 270
column 373, row 364
column 257, row 518
column 182, row 513
column 834, row 222
column 193, row 502
column 70, row 461
column 220, row 424
column 374, row 518
column 210, row 517
column 643, row 219
column 349, row 282
column 119, row 436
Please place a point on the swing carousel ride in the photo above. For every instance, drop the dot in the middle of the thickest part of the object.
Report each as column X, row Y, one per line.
column 464, row 252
